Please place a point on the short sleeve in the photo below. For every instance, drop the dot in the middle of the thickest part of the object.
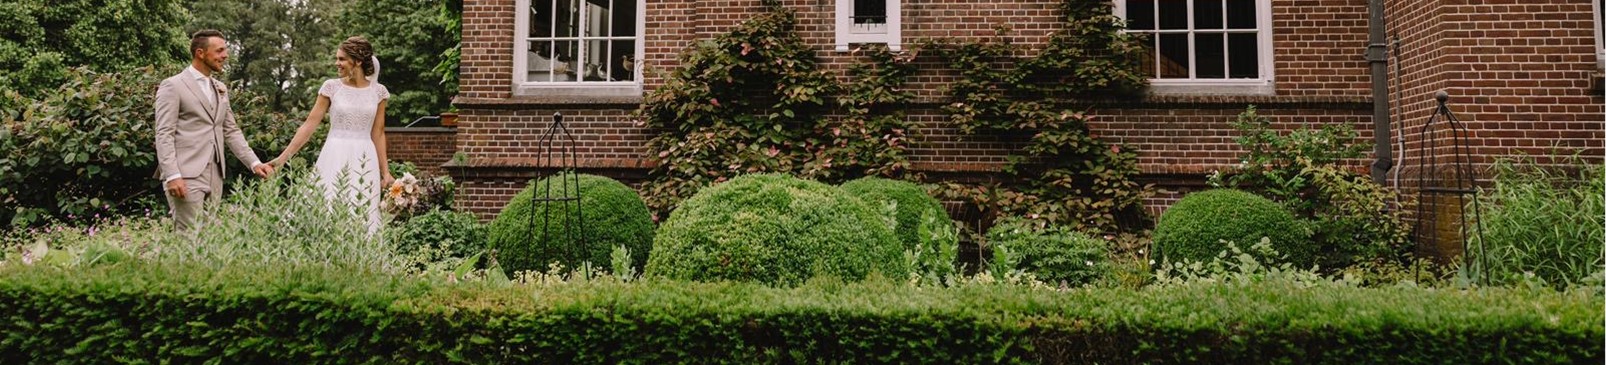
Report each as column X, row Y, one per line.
column 383, row 92
column 328, row 89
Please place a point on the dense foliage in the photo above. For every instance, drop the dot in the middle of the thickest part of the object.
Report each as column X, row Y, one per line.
column 755, row 100
column 1053, row 254
column 1541, row 223
column 775, row 229
column 41, row 39
column 273, row 314
column 1197, row 227
column 922, row 224
column 439, row 233
column 538, row 228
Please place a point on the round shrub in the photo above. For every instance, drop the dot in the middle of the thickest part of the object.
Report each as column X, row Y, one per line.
column 923, row 225
column 774, row 229
column 529, row 236
column 1194, row 228
column 1054, row 254
column 445, row 232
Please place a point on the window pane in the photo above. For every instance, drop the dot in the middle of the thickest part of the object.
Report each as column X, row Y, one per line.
column 1140, row 15
column 567, row 18
column 539, row 61
column 1207, row 14
column 869, row 11
column 622, row 62
column 541, row 19
column 564, row 64
column 598, row 16
column 1173, row 14
column 1243, row 56
column 1174, row 56
column 1147, row 67
column 596, row 57
column 1241, row 14
column 1211, row 57
column 624, row 18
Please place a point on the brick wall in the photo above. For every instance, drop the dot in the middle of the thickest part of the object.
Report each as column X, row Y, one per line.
column 1525, row 100
column 427, row 148
column 1522, row 77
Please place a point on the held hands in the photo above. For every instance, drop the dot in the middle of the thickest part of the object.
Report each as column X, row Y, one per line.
column 263, row 170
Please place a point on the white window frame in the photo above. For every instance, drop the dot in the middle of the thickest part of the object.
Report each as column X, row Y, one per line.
column 522, row 86
column 1600, row 39
column 1264, row 85
column 847, row 33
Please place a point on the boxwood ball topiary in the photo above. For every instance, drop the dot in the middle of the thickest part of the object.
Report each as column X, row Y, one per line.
column 1194, row 227
column 613, row 215
column 774, row 229
column 912, row 208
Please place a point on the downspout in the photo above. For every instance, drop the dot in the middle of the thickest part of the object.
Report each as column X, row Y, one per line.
column 1377, row 55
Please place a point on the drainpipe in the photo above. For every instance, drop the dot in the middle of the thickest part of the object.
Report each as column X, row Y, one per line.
column 1377, row 55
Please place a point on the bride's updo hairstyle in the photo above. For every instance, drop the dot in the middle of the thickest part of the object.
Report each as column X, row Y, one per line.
column 360, row 51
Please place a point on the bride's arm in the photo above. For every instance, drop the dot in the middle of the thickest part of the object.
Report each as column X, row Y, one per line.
column 305, row 132
column 379, row 144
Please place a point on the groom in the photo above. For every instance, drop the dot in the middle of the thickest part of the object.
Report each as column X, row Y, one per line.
column 193, row 123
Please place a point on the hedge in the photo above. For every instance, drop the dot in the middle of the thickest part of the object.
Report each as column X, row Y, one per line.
column 1194, row 227
column 143, row 313
column 775, row 229
column 921, row 220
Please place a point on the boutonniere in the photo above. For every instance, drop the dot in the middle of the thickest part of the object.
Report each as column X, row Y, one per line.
column 221, row 89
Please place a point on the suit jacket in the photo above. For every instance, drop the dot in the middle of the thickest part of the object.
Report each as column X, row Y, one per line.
column 192, row 129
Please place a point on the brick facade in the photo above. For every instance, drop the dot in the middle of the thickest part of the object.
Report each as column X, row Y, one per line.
column 1522, row 73
column 427, row 148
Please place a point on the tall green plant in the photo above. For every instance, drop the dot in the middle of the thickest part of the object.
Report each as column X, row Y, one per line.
column 1542, row 222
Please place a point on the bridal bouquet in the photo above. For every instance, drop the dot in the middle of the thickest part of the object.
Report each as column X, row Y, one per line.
column 411, row 195
column 403, row 195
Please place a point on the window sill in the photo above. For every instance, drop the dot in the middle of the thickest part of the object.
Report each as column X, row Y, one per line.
column 1177, row 87
column 518, row 102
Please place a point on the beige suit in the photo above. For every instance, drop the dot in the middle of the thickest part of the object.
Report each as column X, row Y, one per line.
column 192, row 128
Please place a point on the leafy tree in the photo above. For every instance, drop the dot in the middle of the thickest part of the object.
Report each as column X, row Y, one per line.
column 410, row 38
column 282, row 50
column 40, row 39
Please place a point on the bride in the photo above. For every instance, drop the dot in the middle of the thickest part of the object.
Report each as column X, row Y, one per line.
column 352, row 166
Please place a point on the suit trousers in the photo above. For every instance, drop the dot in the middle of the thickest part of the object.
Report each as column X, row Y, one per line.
column 202, row 189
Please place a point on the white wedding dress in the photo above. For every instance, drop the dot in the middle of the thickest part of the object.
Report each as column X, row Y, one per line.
column 348, row 165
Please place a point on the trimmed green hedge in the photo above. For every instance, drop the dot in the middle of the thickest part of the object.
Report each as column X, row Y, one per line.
column 775, row 229
column 921, row 220
column 613, row 213
column 149, row 314
column 1193, row 228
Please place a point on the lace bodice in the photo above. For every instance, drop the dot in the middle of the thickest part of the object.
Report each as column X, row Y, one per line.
column 351, row 110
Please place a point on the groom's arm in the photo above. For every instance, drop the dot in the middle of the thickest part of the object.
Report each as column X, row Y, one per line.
column 166, row 127
column 237, row 144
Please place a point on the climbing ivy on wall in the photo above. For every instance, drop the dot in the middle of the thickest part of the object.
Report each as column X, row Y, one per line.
column 755, row 100
column 1064, row 175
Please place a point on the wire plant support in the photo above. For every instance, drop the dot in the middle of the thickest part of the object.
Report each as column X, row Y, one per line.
column 1451, row 181
column 555, row 152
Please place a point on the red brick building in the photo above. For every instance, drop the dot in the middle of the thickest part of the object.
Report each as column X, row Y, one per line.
column 1524, row 75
